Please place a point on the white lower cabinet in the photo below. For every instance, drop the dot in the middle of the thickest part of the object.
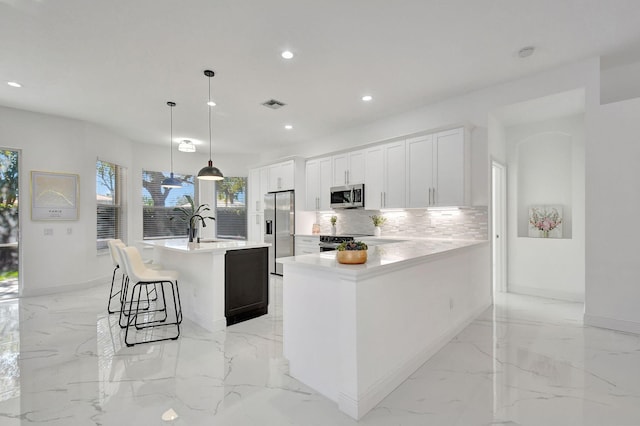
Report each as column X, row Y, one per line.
column 307, row 244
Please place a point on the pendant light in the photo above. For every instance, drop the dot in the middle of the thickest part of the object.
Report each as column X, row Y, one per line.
column 186, row 146
column 171, row 182
column 209, row 172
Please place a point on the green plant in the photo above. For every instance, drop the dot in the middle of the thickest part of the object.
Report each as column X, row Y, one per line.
column 378, row 220
column 187, row 213
column 334, row 219
column 352, row 245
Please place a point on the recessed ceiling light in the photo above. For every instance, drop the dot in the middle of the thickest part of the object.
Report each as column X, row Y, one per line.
column 527, row 51
column 288, row 126
column 14, row 84
column 287, row 54
column 211, row 103
column 367, row 98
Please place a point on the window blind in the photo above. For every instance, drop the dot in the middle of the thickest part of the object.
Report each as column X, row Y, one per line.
column 158, row 205
column 231, row 208
column 111, row 203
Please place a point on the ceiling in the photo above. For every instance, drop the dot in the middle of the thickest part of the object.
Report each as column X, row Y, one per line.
column 116, row 63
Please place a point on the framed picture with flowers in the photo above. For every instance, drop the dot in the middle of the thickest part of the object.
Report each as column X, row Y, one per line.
column 545, row 221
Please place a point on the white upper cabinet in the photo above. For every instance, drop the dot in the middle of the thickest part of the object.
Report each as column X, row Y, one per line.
column 436, row 170
column 348, row 168
column 420, row 161
column 451, row 186
column 395, row 164
column 318, row 183
column 281, row 176
column 385, row 176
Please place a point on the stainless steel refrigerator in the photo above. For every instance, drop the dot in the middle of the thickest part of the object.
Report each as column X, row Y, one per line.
column 279, row 216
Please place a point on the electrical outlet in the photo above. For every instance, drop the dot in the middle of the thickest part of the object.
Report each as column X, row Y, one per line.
column 48, row 231
column 69, row 231
column 451, row 303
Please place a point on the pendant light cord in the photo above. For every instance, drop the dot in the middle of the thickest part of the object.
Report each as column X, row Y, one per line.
column 171, row 137
column 209, row 105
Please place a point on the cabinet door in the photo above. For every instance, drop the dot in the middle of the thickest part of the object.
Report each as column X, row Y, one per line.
column 373, row 178
column 264, row 187
column 450, row 165
column 275, row 180
column 419, row 178
column 253, row 191
column 394, row 175
column 255, row 231
column 340, row 167
column 287, row 172
column 325, row 183
column 356, row 167
column 312, row 185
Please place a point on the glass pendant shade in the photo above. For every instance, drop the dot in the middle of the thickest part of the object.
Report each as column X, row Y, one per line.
column 209, row 172
column 171, row 182
column 186, row 146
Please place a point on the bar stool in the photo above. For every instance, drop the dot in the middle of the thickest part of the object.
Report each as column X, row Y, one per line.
column 115, row 259
column 143, row 316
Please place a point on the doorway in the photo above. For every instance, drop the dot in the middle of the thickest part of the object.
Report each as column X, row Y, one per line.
column 9, row 224
column 499, row 226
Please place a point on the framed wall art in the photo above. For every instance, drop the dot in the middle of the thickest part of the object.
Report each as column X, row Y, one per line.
column 54, row 196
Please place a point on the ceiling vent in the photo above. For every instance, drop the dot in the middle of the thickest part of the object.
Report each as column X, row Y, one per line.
column 273, row 104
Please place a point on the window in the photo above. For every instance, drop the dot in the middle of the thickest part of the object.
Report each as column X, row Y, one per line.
column 158, row 204
column 111, row 203
column 231, row 209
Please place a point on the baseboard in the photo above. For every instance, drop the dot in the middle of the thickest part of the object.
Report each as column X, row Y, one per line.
column 376, row 393
column 612, row 324
column 103, row 281
column 545, row 292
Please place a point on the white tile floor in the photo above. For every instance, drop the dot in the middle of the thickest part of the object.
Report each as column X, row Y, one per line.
column 529, row 361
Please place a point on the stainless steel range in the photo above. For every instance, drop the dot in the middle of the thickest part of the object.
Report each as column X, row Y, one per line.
column 331, row 242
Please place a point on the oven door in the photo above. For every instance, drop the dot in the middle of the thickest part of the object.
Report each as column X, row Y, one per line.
column 328, row 247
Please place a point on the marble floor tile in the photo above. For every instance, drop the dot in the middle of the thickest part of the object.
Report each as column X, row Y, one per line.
column 525, row 361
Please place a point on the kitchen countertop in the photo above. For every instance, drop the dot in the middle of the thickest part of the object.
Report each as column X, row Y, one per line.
column 220, row 245
column 383, row 257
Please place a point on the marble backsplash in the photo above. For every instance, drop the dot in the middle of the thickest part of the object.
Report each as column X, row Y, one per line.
column 469, row 223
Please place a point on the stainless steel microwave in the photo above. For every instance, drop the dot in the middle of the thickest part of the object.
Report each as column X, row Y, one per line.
column 347, row 197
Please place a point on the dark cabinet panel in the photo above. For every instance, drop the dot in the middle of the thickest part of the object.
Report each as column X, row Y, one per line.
column 246, row 284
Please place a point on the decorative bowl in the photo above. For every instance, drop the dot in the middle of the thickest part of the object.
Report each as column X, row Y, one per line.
column 351, row 257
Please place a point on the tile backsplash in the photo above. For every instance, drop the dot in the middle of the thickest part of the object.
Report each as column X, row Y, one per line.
column 468, row 223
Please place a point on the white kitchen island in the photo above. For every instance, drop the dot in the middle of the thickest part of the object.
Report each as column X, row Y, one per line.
column 355, row 332
column 202, row 275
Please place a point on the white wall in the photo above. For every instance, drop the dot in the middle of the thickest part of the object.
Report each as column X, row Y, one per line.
column 49, row 143
column 546, row 166
column 613, row 204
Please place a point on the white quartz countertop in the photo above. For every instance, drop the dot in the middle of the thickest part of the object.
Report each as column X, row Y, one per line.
column 383, row 256
column 217, row 245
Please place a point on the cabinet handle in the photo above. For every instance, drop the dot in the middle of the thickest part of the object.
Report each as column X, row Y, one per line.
column 381, row 202
column 385, row 199
column 347, row 177
column 429, row 203
column 257, row 220
column 257, row 205
column 434, row 197
column 317, row 203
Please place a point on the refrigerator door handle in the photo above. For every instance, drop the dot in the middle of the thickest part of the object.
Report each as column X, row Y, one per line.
column 269, row 227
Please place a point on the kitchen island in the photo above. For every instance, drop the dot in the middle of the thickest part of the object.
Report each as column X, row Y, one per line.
column 210, row 295
column 355, row 332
